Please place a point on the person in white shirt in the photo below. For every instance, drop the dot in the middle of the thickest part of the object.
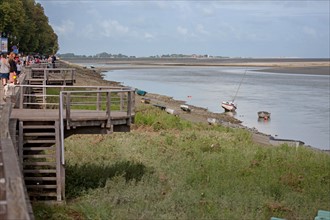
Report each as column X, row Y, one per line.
column 4, row 69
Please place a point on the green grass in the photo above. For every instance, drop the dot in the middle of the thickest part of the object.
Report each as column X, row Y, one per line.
column 167, row 168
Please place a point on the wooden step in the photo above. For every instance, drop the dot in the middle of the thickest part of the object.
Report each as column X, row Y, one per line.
column 38, row 141
column 39, row 134
column 41, row 186
column 39, row 148
column 40, row 171
column 37, row 163
column 43, row 194
column 41, row 178
column 38, row 126
column 40, row 156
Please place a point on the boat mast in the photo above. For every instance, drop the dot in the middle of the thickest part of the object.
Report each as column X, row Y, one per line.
column 239, row 86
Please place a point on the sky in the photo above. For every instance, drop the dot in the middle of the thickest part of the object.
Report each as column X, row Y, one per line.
column 259, row 28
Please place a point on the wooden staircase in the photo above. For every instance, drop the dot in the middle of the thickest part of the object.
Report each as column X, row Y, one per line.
column 40, row 157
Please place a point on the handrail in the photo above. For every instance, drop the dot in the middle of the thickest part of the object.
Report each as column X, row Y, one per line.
column 65, row 105
column 25, row 99
column 16, row 204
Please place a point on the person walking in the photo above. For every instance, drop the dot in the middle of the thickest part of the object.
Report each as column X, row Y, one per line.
column 4, row 69
column 12, row 68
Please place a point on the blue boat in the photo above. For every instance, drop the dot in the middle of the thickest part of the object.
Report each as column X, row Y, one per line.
column 140, row 92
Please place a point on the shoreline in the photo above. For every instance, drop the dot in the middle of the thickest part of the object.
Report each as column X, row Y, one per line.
column 289, row 66
column 198, row 114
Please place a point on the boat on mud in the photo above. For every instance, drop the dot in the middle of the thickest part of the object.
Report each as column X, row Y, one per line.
column 140, row 92
column 145, row 100
column 185, row 108
column 229, row 106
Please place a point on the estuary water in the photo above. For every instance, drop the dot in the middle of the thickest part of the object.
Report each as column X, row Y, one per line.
column 299, row 103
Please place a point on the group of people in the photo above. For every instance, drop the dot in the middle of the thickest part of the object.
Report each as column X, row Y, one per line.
column 11, row 65
column 10, row 68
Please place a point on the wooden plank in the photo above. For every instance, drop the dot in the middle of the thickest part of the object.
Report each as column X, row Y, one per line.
column 36, row 163
column 41, row 178
column 40, row 171
column 39, row 156
column 17, row 205
column 41, row 186
column 40, row 141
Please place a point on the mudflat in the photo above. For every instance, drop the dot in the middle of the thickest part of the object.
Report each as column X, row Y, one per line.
column 280, row 65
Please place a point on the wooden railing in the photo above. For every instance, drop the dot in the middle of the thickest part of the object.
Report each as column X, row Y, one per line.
column 13, row 197
column 108, row 100
column 52, row 75
column 77, row 97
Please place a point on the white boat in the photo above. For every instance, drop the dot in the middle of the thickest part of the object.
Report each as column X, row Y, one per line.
column 171, row 111
column 229, row 106
column 185, row 108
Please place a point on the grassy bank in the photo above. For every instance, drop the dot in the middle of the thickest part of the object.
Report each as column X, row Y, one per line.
column 168, row 168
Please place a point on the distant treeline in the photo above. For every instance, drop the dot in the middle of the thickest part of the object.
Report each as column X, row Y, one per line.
column 26, row 26
column 108, row 55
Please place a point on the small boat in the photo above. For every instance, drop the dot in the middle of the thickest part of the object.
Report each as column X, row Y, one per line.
column 229, row 106
column 162, row 107
column 140, row 92
column 171, row 111
column 264, row 114
column 185, row 108
column 145, row 100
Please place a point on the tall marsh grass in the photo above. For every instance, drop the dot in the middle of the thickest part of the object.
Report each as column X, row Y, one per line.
column 168, row 168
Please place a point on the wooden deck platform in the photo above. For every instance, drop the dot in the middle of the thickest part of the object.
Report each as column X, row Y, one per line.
column 42, row 116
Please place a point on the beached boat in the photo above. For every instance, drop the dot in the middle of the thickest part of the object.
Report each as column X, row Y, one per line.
column 140, row 92
column 229, row 106
column 161, row 107
column 171, row 111
column 145, row 100
column 264, row 114
column 185, row 108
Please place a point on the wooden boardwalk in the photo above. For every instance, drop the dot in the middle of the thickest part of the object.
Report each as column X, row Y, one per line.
column 36, row 117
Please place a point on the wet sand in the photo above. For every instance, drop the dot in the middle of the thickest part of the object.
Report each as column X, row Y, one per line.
column 280, row 65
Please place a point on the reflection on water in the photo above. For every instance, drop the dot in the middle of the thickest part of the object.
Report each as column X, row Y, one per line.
column 299, row 103
column 263, row 120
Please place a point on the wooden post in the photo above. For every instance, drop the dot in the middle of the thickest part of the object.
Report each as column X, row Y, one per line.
column 67, row 107
column 129, row 107
column 109, row 111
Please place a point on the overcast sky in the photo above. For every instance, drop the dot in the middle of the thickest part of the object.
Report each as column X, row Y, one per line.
column 259, row 28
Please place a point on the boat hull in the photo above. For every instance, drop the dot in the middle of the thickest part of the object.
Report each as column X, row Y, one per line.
column 228, row 106
column 185, row 108
column 264, row 114
column 141, row 92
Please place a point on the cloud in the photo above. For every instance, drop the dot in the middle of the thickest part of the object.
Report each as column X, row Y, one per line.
column 112, row 28
column 182, row 30
column 66, row 27
column 148, row 36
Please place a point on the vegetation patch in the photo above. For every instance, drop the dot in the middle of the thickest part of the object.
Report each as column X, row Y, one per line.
column 168, row 168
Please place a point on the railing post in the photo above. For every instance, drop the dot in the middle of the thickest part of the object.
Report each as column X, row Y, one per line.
column 98, row 100
column 109, row 111
column 62, row 126
column 21, row 97
column 68, row 110
column 129, row 107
